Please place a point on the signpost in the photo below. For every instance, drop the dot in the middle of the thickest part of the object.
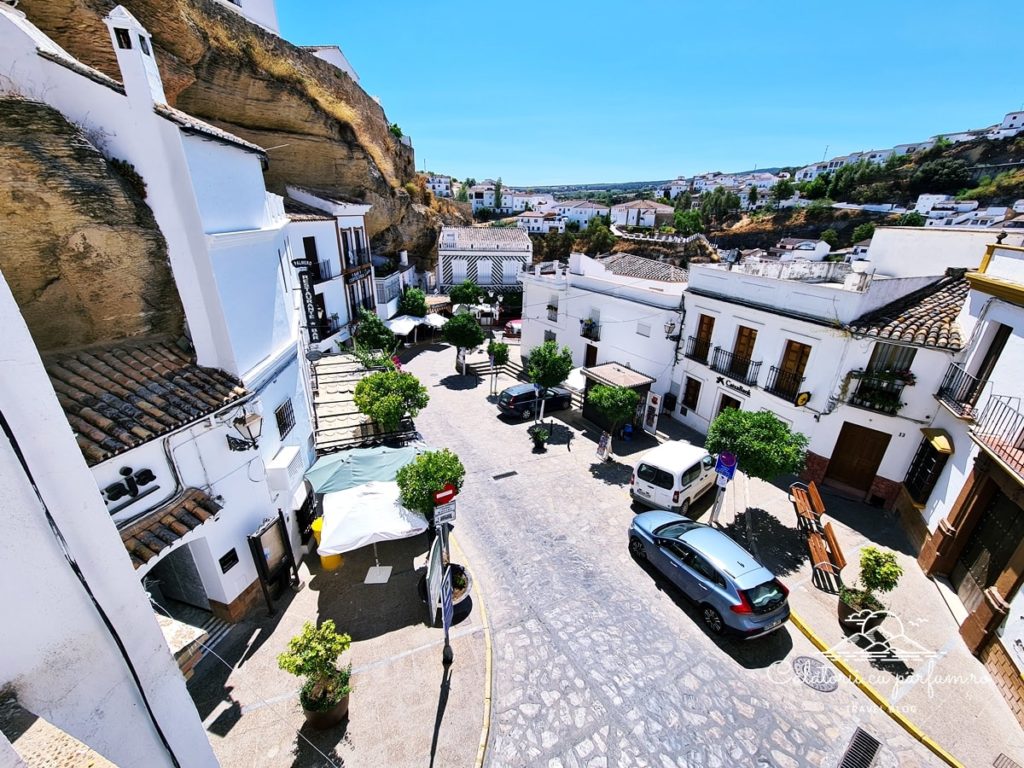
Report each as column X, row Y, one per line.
column 444, row 514
column 651, row 410
column 726, row 469
column 602, row 446
column 434, row 572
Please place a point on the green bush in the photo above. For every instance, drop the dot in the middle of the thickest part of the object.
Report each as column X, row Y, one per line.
column 389, row 396
column 419, row 480
column 764, row 446
column 413, row 303
column 313, row 654
column 499, row 351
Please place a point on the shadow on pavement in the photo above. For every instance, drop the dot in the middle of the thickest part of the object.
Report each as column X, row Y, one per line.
column 611, row 472
column 412, row 352
column 758, row 653
column 782, row 550
column 319, row 749
column 442, row 705
column 458, row 382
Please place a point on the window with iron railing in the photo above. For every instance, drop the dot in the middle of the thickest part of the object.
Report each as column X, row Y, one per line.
column 741, row 368
column 879, row 392
column 783, row 384
column 924, row 471
column 698, row 349
column 959, row 390
column 1000, row 430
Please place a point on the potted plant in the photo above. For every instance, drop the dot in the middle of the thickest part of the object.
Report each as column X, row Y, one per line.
column 313, row 654
column 859, row 608
column 540, row 435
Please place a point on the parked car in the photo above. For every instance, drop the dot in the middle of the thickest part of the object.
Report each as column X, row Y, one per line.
column 521, row 400
column 672, row 476
column 513, row 329
column 733, row 591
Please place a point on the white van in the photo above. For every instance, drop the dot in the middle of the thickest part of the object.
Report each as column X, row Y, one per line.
column 672, row 476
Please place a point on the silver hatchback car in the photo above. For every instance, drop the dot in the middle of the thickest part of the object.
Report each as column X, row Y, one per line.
column 733, row 591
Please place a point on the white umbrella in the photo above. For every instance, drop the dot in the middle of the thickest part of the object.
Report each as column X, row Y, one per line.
column 434, row 320
column 364, row 515
column 402, row 325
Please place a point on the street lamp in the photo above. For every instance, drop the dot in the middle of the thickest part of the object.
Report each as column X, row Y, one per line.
column 249, row 427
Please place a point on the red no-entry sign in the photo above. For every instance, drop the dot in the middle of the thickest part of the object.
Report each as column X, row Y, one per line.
column 445, row 495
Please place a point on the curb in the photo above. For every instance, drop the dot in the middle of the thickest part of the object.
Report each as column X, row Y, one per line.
column 485, row 728
column 878, row 699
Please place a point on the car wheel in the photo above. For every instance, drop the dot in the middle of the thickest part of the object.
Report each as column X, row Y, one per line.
column 527, row 414
column 684, row 507
column 712, row 619
column 636, row 548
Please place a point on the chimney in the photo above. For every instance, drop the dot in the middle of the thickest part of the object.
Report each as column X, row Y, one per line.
column 403, row 258
column 134, row 48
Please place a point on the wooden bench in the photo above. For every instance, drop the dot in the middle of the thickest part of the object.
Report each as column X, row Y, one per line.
column 805, row 515
column 816, row 503
column 827, row 560
column 834, row 552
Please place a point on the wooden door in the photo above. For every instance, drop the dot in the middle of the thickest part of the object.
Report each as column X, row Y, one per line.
column 705, row 327
column 728, row 402
column 988, row 550
column 744, row 347
column 856, row 456
column 794, row 360
column 590, row 359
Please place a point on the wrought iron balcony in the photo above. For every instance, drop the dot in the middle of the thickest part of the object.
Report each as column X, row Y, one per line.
column 329, row 327
column 959, row 391
column 322, row 272
column 880, row 392
column 698, row 349
column 553, row 313
column 1000, row 430
column 742, row 368
column 357, row 257
column 590, row 330
column 784, row 384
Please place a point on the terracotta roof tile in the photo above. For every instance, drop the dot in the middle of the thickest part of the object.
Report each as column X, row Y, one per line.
column 926, row 317
column 631, row 265
column 146, row 538
column 116, row 398
column 191, row 124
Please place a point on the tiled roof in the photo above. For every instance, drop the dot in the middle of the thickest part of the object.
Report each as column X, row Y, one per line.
column 119, row 397
column 194, row 125
column 146, row 538
column 646, row 205
column 617, row 375
column 631, row 265
column 926, row 317
column 301, row 212
column 486, row 237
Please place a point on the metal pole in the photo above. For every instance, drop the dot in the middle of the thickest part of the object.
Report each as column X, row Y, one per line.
column 447, row 655
column 716, row 510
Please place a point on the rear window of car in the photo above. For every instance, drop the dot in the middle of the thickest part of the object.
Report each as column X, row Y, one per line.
column 765, row 595
column 691, row 474
column 655, row 476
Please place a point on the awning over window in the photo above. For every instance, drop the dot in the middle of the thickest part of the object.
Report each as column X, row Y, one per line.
column 939, row 439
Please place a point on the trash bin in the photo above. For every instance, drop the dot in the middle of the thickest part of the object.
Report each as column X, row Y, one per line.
column 627, row 432
column 327, row 562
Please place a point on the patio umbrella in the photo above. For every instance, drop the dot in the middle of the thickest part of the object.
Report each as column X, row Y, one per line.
column 365, row 515
column 348, row 469
column 434, row 321
column 402, row 325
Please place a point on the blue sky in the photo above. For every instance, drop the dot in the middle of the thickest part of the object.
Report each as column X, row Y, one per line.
column 555, row 92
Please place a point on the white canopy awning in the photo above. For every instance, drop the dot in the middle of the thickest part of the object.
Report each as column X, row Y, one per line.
column 434, row 320
column 365, row 515
column 403, row 325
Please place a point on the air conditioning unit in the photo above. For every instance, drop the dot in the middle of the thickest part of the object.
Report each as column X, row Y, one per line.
column 284, row 471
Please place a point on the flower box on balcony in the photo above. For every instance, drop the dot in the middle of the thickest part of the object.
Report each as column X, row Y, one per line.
column 905, row 377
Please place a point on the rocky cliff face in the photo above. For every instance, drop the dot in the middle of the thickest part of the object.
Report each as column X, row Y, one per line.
column 79, row 247
column 320, row 128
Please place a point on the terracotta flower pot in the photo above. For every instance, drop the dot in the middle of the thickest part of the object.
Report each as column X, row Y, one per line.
column 321, row 720
column 867, row 619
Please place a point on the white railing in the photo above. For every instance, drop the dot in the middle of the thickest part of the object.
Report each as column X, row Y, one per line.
column 805, row 271
column 388, row 287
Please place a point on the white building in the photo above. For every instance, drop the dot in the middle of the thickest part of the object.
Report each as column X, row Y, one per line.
column 641, row 213
column 261, row 12
column 439, row 184
column 489, row 256
column 332, row 54
column 539, row 222
column 847, row 358
column 486, row 195
column 579, row 211
column 609, row 309
column 792, row 248
column 963, row 498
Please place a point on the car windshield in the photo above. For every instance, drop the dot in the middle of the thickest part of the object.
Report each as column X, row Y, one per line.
column 765, row 594
column 504, row 397
column 675, row 530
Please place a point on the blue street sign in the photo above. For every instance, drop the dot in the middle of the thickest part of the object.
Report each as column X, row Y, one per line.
column 726, row 465
column 446, row 598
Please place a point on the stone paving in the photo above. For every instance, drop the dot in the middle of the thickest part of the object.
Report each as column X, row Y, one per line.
column 598, row 661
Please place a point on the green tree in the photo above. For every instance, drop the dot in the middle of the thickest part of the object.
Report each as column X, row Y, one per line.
column 572, row 226
column 413, row 302
column 387, row 397
column 863, row 231
column 497, row 193
column 716, row 205
column 688, row 222
column 782, row 190
column 463, row 332
column 684, row 201
column 764, row 446
column 466, row 292
column 816, row 189
column 752, row 197
column 499, row 351
column 549, row 366
column 469, row 182
column 910, row 219
column 462, row 195
column 372, row 334
column 395, row 130
column 616, row 404
column 940, row 176
column 830, row 236
column 598, row 237
column 427, row 474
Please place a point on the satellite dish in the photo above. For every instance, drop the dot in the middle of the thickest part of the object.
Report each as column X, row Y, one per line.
column 313, row 355
column 803, row 398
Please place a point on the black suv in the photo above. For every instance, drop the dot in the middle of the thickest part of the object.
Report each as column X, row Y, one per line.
column 521, row 400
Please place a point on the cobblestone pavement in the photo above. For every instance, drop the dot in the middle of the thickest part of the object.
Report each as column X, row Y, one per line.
column 598, row 661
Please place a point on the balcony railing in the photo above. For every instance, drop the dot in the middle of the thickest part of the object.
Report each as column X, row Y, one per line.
column 784, row 384
column 322, row 272
column 959, row 391
column 367, row 303
column 329, row 327
column 553, row 314
column 698, row 349
column 879, row 393
column 357, row 257
column 1000, row 430
column 590, row 330
column 742, row 368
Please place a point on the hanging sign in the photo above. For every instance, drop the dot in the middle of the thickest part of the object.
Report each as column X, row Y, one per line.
column 309, row 307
